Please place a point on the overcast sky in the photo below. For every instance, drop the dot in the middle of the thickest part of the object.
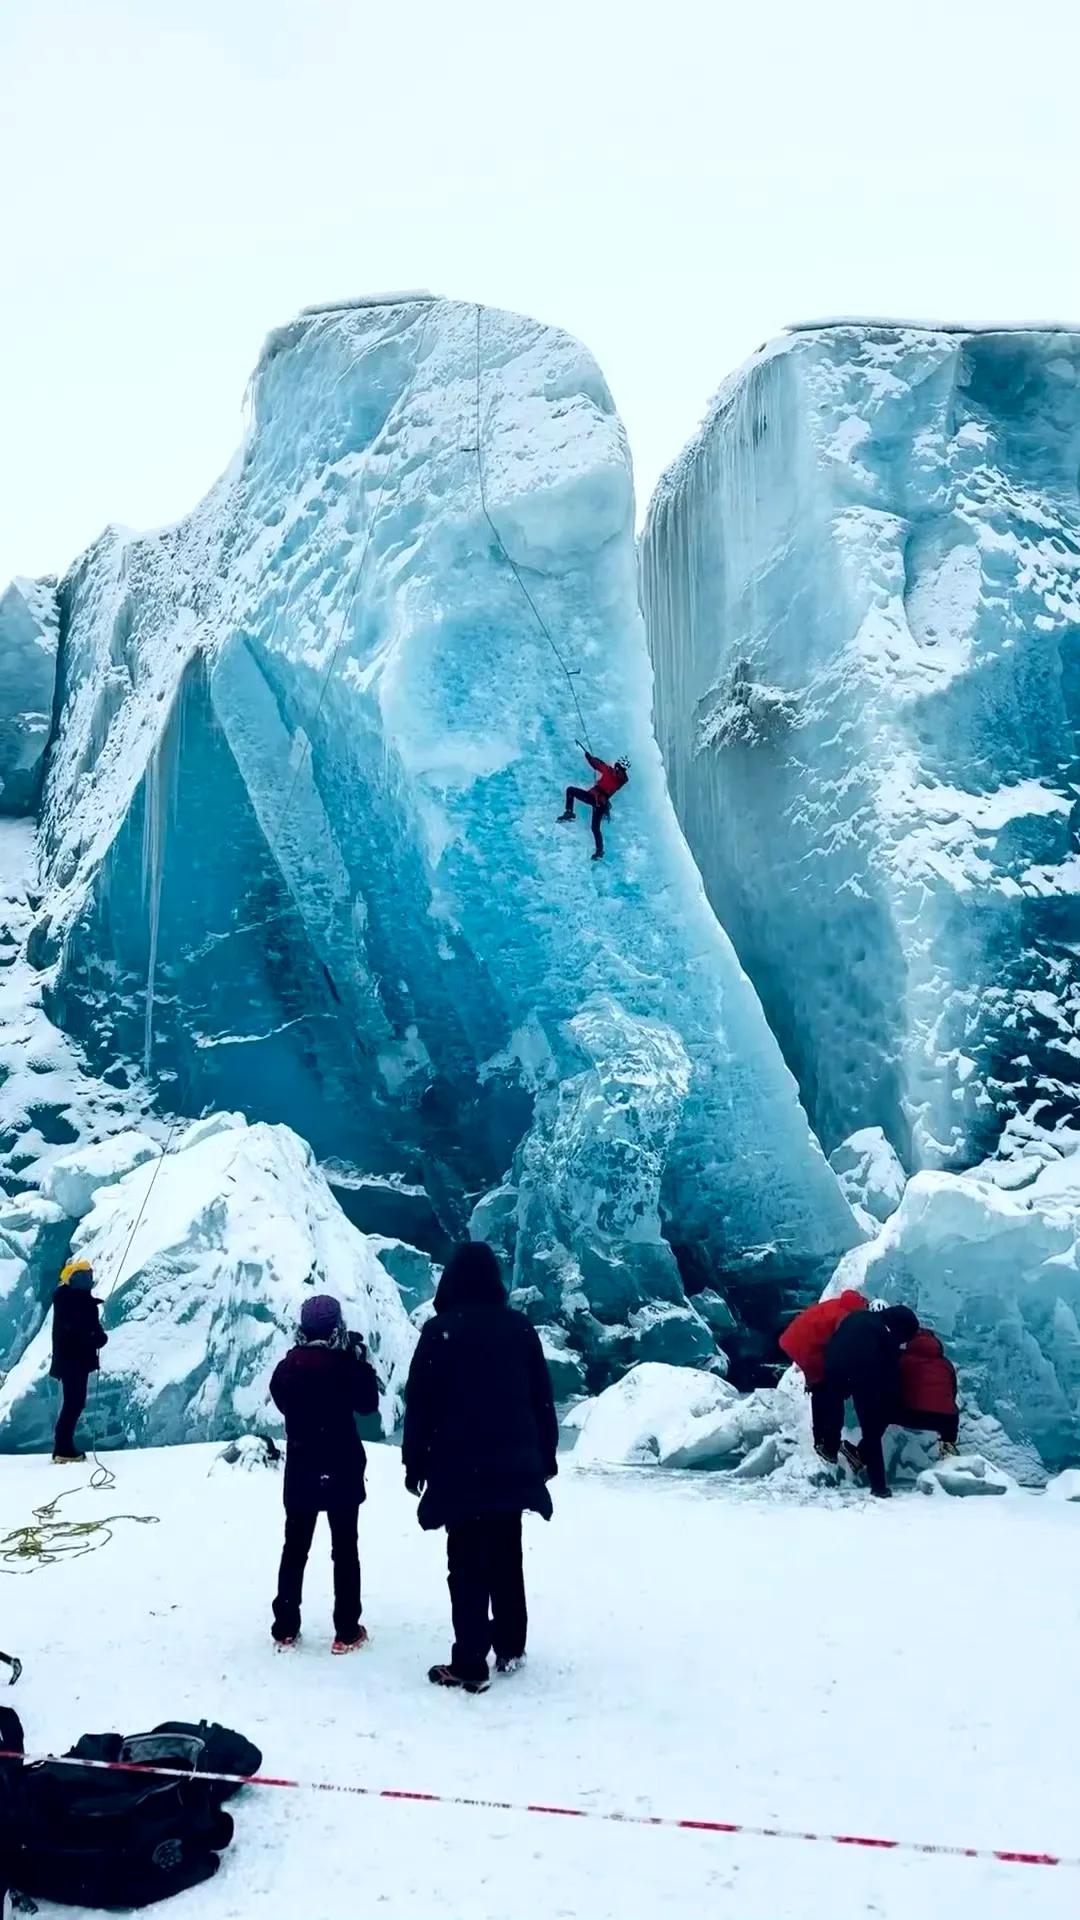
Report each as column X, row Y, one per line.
column 672, row 181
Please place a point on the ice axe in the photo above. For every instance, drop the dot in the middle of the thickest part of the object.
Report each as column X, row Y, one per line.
column 10, row 1660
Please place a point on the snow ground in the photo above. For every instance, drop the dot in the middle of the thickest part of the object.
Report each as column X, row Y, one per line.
column 697, row 1650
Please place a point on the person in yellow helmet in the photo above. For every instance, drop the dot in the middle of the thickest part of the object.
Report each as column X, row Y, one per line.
column 77, row 1339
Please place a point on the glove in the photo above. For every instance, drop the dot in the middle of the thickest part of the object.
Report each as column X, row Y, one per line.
column 358, row 1345
column 414, row 1484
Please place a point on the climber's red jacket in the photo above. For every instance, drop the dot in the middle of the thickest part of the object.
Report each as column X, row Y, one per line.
column 610, row 778
column 927, row 1379
column 806, row 1339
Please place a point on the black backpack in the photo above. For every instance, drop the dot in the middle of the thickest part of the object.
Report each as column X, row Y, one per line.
column 89, row 1838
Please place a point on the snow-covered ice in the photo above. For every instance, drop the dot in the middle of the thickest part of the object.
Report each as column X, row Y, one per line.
column 29, row 632
column 964, row 1475
column 862, row 592
column 203, row 1260
column 50, row 1101
column 872, row 1177
column 997, row 1275
column 666, row 1416
column 75, row 1177
column 695, row 1650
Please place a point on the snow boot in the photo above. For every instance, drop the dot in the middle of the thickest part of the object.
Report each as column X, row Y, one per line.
column 561, row 817
column 881, row 1493
column 444, row 1676
column 827, row 1454
column 363, row 1639
column 68, row 1459
column 947, row 1449
column 509, row 1662
column 853, row 1458
column 598, row 855
column 286, row 1643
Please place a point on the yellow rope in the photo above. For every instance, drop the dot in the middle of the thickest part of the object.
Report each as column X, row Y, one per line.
column 47, row 1539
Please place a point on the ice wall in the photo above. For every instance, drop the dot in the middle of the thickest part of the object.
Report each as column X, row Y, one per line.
column 862, row 592
column 28, row 636
column 300, row 851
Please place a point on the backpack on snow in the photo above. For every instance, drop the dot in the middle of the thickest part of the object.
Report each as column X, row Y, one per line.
column 89, row 1838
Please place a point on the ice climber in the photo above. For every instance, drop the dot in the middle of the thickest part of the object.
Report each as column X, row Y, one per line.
column 77, row 1340
column 862, row 1363
column 927, row 1401
column 609, row 780
column 804, row 1340
column 928, row 1390
column 320, row 1386
column 479, row 1448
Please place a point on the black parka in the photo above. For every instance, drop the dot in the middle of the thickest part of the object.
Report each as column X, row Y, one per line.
column 77, row 1332
column 481, row 1431
column 320, row 1389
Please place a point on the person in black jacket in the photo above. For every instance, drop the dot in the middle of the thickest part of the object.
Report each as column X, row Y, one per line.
column 77, row 1339
column 862, row 1363
column 320, row 1387
column 479, row 1448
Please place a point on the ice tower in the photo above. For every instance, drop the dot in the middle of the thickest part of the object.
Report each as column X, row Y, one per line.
column 299, row 845
column 862, row 590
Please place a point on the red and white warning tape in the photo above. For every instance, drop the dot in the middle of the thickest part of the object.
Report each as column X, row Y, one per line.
column 1012, row 1856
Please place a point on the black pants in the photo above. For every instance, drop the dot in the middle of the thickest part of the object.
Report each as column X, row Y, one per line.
column 74, row 1387
column 827, row 1414
column 487, row 1591
column 600, row 811
column 299, row 1534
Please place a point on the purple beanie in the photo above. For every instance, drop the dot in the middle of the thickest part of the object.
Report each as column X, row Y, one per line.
column 320, row 1316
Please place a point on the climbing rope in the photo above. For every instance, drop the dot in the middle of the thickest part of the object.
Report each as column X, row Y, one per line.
column 47, row 1539
column 570, row 672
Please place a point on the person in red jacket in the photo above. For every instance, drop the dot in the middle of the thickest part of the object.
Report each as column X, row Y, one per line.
column 928, row 1390
column 805, row 1341
column 609, row 780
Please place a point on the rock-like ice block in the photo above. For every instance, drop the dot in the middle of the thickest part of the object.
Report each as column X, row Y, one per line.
column 862, row 593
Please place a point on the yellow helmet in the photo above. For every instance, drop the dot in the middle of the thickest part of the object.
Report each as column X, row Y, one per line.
column 74, row 1266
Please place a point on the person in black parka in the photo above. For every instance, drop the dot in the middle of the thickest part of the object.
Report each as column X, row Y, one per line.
column 862, row 1363
column 77, row 1340
column 479, row 1447
column 320, row 1387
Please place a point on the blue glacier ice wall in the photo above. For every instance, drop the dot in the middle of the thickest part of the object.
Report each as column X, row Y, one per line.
column 862, row 591
column 299, row 837
column 28, row 639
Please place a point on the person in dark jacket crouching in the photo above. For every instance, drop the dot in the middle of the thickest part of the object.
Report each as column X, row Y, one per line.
column 320, row 1387
column 77, row 1339
column 479, row 1448
column 862, row 1363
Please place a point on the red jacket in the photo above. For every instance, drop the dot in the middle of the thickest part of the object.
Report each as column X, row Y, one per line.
column 806, row 1339
column 927, row 1379
column 611, row 778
